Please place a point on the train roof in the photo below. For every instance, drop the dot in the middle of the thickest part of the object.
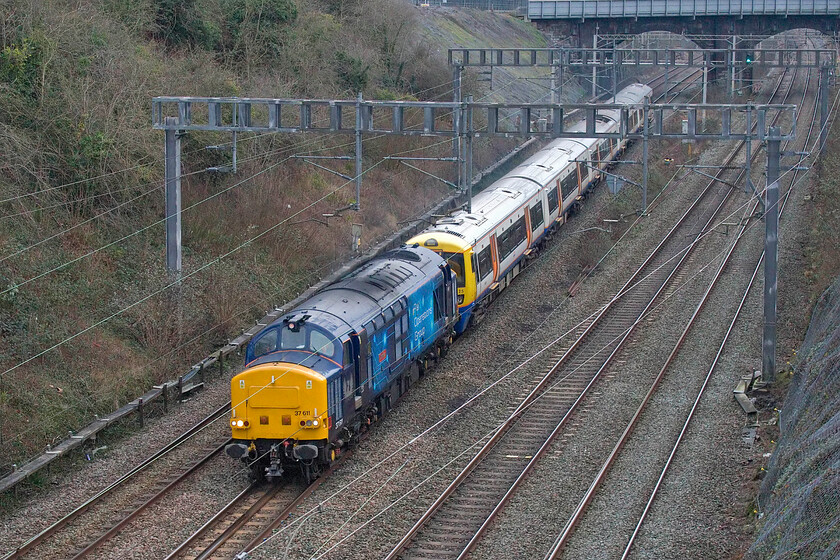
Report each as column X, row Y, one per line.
column 361, row 294
column 462, row 229
column 632, row 94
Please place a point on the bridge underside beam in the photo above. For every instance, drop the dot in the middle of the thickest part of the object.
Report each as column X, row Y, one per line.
column 582, row 32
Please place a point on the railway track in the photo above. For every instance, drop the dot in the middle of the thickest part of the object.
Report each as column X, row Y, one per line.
column 456, row 521
column 578, row 516
column 100, row 521
column 248, row 519
column 743, row 231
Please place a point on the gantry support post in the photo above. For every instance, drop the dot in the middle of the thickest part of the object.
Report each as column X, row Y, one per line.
column 358, row 178
column 730, row 60
column 614, row 75
column 469, row 158
column 457, row 72
column 645, row 130
column 771, row 248
column 594, row 68
column 748, row 163
column 172, row 156
column 823, row 99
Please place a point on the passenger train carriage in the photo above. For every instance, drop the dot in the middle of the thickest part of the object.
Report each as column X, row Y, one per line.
column 317, row 377
column 511, row 219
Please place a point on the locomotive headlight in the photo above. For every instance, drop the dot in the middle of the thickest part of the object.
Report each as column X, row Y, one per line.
column 233, row 423
column 315, row 423
column 239, row 423
column 460, row 300
column 308, row 423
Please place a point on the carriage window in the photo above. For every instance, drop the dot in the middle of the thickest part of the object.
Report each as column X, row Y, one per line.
column 536, row 216
column 569, row 184
column 485, row 262
column 348, row 354
column 603, row 149
column 510, row 239
column 553, row 202
column 439, row 301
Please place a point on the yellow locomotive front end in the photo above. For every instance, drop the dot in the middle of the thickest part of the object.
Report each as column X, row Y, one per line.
column 278, row 416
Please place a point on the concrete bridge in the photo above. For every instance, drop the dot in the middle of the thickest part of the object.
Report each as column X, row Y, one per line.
column 583, row 19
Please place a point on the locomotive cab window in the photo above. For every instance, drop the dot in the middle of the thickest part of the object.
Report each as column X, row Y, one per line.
column 456, row 262
column 306, row 338
column 266, row 343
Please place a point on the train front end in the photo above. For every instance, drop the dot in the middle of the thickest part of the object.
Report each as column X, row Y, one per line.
column 279, row 405
column 459, row 254
column 278, row 415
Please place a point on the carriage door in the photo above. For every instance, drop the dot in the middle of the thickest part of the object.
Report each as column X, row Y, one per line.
column 360, row 347
column 450, row 290
column 348, row 376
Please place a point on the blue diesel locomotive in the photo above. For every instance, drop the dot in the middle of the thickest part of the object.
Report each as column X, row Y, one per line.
column 315, row 379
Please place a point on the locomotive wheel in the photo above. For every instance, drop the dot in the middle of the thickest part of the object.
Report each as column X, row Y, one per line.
column 311, row 471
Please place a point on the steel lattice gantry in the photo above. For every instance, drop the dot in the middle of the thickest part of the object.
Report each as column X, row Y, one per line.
column 620, row 56
column 418, row 118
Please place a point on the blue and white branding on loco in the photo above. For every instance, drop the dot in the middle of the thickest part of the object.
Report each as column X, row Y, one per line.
column 421, row 317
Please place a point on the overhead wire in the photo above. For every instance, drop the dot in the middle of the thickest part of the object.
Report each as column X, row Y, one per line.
column 190, row 274
column 742, row 208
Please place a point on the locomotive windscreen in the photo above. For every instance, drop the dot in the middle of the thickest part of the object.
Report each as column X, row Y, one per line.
column 307, row 338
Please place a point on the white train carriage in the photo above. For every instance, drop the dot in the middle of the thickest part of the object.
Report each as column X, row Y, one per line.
column 510, row 219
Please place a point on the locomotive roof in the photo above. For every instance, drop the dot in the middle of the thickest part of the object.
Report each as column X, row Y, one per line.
column 348, row 303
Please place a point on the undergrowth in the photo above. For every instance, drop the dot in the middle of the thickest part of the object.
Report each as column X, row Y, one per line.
column 81, row 196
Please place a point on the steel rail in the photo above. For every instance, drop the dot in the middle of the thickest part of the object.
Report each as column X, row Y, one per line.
column 720, row 350
column 269, row 529
column 125, row 520
column 212, row 521
column 700, row 235
column 55, row 527
column 251, row 512
column 533, row 395
column 269, row 494
column 562, row 539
